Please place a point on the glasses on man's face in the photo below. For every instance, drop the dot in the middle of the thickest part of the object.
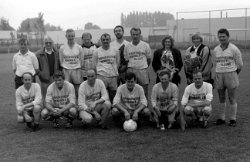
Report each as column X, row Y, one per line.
column 48, row 42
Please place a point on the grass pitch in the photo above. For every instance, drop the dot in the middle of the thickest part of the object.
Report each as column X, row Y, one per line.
column 216, row 143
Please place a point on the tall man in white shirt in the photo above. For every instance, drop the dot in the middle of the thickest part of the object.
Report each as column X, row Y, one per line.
column 138, row 55
column 107, row 60
column 28, row 102
column 70, row 59
column 120, row 44
column 228, row 64
column 24, row 61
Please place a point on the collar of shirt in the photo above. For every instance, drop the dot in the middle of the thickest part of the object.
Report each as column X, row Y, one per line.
column 49, row 52
column 223, row 49
column 19, row 52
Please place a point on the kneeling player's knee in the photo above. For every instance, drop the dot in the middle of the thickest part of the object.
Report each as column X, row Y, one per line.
column 188, row 110
column 37, row 109
column 73, row 112
column 207, row 110
column 44, row 113
column 20, row 118
column 146, row 112
column 114, row 111
column 86, row 117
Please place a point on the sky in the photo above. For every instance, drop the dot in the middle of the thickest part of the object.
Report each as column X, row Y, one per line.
column 106, row 13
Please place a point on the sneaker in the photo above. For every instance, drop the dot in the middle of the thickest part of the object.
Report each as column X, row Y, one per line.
column 56, row 124
column 162, row 127
column 29, row 124
column 69, row 124
column 232, row 123
column 36, row 127
column 220, row 122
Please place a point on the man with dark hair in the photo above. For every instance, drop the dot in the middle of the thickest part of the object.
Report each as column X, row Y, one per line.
column 24, row 61
column 130, row 100
column 196, row 101
column 60, row 101
column 119, row 44
column 198, row 57
column 228, row 64
column 138, row 55
column 48, row 59
column 29, row 101
column 106, row 61
column 164, row 99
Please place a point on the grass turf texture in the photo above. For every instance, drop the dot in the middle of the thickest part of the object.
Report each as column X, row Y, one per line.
column 216, row 143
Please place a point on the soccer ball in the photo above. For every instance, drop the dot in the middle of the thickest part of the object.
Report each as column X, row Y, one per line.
column 129, row 125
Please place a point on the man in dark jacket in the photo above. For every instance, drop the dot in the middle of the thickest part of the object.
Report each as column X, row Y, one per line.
column 48, row 64
column 168, row 57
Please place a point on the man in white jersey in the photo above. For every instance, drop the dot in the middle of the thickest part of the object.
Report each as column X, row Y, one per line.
column 107, row 60
column 24, row 61
column 196, row 101
column 164, row 99
column 70, row 59
column 228, row 64
column 119, row 44
column 130, row 100
column 88, row 50
column 60, row 101
column 93, row 100
column 28, row 102
column 138, row 55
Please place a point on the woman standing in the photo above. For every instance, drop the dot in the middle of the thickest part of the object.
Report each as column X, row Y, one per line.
column 169, row 58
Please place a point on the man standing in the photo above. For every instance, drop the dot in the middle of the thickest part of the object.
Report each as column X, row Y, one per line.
column 198, row 57
column 70, row 59
column 28, row 102
column 88, row 50
column 164, row 99
column 48, row 64
column 196, row 101
column 93, row 100
column 60, row 101
column 227, row 67
column 130, row 100
column 138, row 55
column 107, row 60
column 119, row 44
column 24, row 61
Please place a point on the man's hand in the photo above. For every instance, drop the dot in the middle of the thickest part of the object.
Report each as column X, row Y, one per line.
column 135, row 116
column 97, row 116
column 127, row 115
column 158, row 112
column 92, row 105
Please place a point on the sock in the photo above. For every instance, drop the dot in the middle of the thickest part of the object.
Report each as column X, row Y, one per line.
column 232, row 111
column 222, row 111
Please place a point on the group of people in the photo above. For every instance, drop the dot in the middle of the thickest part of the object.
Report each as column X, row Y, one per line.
column 89, row 83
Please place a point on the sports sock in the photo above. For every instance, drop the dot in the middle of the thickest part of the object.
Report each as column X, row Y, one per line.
column 222, row 110
column 232, row 111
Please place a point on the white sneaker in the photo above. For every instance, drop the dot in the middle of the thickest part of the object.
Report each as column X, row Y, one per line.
column 162, row 127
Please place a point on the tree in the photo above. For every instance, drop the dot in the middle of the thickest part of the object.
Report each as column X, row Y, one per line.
column 90, row 25
column 145, row 19
column 50, row 27
column 33, row 24
column 4, row 24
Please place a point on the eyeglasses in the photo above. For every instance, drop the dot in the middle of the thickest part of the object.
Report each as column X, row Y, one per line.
column 48, row 42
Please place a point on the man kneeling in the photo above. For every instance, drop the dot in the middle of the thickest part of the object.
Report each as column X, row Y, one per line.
column 164, row 99
column 60, row 101
column 28, row 102
column 93, row 100
column 196, row 100
column 130, row 100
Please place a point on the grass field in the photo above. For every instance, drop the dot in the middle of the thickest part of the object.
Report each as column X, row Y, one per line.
column 216, row 143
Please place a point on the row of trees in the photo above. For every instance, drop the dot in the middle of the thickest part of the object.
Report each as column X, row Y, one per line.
column 145, row 19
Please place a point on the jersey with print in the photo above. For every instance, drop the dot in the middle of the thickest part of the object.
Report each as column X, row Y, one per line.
column 87, row 59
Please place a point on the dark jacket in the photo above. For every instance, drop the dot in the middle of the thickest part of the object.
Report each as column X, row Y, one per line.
column 44, row 73
column 156, row 63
